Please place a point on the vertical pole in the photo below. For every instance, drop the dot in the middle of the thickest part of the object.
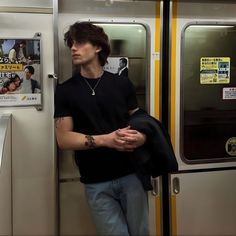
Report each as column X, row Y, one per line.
column 56, row 72
column 165, row 67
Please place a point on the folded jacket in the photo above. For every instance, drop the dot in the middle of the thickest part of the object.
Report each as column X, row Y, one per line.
column 156, row 157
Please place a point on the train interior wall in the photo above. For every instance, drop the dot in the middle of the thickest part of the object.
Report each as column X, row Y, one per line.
column 201, row 198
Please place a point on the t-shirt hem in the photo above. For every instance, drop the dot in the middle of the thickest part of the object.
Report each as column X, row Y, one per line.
column 85, row 180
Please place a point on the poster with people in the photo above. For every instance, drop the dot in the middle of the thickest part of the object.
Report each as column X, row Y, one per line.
column 20, row 83
column 118, row 65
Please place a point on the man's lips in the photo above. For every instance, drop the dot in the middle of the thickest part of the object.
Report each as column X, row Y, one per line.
column 75, row 55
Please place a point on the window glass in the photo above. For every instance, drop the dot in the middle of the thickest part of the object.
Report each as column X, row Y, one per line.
column 208, row 93
column 129, row 41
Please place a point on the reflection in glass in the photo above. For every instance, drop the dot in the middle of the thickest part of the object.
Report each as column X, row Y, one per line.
column 129, row 41
column 208, row 119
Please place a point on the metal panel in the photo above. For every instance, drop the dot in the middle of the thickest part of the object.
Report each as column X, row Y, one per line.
column 204, row 204
column 33, row 163
column 26, row 3
column 75, row 217
column 26, row 6
column 5, row 175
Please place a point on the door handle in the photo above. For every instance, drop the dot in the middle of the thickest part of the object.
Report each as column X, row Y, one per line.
column 155, row 186
column 176, row 185
column 52, row 76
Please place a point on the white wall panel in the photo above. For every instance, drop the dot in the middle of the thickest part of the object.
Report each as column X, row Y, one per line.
column 26, row 3
column 205, row 204
column 33, row 161
column 5, row 176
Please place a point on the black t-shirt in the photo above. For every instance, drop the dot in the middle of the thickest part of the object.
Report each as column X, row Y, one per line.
column 100, row 114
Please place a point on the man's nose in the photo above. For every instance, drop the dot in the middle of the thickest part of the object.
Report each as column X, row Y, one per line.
column 74, row 46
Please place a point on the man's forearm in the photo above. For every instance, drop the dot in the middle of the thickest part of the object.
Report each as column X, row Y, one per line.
column 70, row 140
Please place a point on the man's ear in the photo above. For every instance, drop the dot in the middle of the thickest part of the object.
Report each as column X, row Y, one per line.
column 98, row 49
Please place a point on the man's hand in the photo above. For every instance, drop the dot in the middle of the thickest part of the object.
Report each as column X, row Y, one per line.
column 125, row 139
column 132, row 138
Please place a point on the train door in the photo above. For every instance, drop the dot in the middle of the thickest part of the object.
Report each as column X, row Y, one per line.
column 132, row 38
column 31, row 180
column 203, row 117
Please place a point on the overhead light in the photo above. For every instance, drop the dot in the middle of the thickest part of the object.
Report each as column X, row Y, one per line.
column 213, row 26
column 125, row 1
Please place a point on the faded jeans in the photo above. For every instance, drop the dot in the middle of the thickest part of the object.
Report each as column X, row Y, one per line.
column 119, row 207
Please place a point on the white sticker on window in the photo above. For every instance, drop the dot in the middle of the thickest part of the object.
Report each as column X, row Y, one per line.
column 229, row 93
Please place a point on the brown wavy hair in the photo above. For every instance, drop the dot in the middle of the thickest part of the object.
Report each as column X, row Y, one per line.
column 84, row 32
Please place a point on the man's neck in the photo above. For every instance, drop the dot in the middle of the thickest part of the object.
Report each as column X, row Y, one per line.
column 92, row 70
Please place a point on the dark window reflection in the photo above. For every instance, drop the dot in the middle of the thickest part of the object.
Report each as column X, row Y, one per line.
column 208, row 120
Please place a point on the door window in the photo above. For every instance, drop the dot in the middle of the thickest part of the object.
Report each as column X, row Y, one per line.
column 129, row 41
column 208, row 93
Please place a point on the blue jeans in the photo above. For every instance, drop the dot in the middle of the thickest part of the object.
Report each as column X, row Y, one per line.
column 119, row 207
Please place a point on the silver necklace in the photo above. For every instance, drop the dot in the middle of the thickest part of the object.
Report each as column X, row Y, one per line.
column 95, row 86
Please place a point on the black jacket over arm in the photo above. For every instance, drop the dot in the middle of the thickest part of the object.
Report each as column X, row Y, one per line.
column 156, row 156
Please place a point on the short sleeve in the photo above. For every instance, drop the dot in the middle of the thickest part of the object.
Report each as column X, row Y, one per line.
column 62, row 107
column 131, row 96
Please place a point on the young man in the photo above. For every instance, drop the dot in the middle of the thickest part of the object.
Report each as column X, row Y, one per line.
column 91, row 113
column 29, row 85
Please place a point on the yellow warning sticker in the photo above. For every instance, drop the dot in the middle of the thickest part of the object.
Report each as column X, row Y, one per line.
column 215, row 70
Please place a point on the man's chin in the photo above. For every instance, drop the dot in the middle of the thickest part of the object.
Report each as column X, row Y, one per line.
column 77, row 62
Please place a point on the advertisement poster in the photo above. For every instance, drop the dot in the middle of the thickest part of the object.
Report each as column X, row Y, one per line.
column 215, row 70
column 118, row 65
column 20, row 83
